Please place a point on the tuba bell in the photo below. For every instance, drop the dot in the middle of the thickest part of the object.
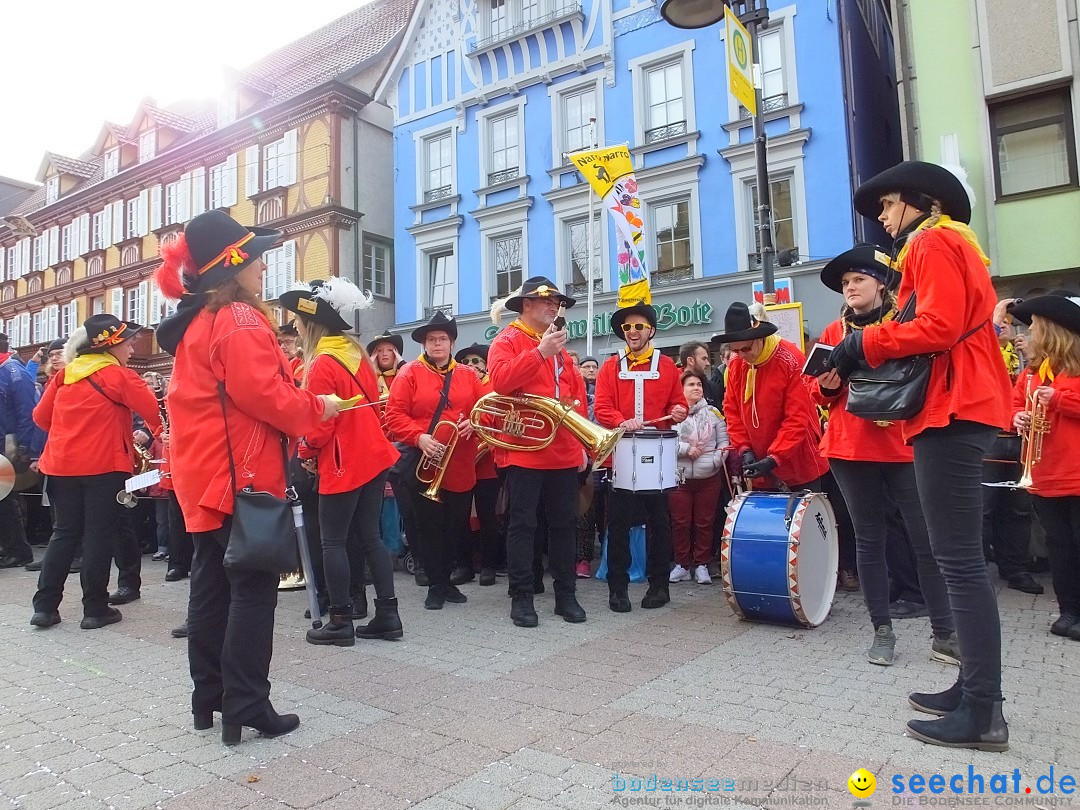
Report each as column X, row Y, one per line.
column 529, row 422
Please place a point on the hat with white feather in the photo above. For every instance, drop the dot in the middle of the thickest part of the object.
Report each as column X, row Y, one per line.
column 327, row 302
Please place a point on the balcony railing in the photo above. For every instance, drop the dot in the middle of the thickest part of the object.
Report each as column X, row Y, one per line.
column 770, row 104
column 501, row 177
column 564, row 9
column 435, row 194
column 672, row 275
column 445, row 309
column 672, row 130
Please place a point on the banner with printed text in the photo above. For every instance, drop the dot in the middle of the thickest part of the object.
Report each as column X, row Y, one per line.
column 611, row 174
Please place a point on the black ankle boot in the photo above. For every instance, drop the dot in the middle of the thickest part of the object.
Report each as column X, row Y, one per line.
column 386, row 624
column 939, row 703
column 974, row 724
column 566, row 605
column 338, row 631
column 436, row 597
column 202, row 720
column 522, row 612
column 269, row 724
column 619, row 600
column 656, row 596
column 359, row 603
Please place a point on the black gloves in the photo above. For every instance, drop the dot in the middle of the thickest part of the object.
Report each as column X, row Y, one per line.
column 748, row 458
column 759, row 469
column 848, row 355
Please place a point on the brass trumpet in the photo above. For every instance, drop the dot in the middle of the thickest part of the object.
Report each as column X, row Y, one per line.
column 143, row 462
column 1032, row 441
column 431, row 469
column 530, row 422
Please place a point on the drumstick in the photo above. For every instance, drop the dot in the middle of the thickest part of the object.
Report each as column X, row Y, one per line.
column 658, row 420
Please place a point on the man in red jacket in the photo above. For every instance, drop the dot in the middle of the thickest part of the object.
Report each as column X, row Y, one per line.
column 634, row 388
column 772, row 422
column 529, row 357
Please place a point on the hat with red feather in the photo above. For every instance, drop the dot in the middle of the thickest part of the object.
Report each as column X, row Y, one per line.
column 213, row 248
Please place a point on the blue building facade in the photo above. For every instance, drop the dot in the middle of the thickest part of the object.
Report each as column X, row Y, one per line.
column 489, row 95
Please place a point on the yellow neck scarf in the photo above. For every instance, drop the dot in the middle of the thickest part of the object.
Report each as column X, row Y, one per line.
column 639, row 359
column 341, row 348
column 86, row 364
column 519, row 324
column 767, row 350
column 423, row 358
column 944, row 221
column 1046, row 372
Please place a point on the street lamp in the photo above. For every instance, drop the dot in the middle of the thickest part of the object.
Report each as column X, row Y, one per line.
column 754, row 14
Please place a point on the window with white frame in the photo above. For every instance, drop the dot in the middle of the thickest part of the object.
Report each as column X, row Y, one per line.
column 219, row 180
column 52, row 189
column 664, row 101
column 377, row 266
column 503, row 156
column 530, row 12
column 13, row 262
column 133, row 216
column 173, row 193
column 578, row 110
column 578, row 254
column 506, row 262
column 147, row 145
column 136, row 302
column 783, row 216
column 279, row 162
column 97, row 305
column 498, row 18
column 67, row 242
column 280, row 270
column 100, row 237
column 438, row 167
column 773, row 85
column 670, row 222
column 442, row 282
column 111, row 165
column 38, row 334
column 69, row 318
column 41, row 253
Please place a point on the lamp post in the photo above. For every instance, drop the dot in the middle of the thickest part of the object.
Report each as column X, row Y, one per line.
column 754, row 14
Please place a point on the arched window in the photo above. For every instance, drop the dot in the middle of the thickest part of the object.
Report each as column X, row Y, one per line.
column 63, row 276
column 270, row 209
column 94, row 266
column 34, row 285
column 130, row 254
column 8, row 293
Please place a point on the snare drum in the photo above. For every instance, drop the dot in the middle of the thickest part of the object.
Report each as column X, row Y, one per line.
column 645, row 461
column 778, row 557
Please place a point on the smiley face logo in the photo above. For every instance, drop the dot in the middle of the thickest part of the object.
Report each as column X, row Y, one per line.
column 862, row 784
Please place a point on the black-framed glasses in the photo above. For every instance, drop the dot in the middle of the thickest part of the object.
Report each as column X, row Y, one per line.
column 635, row 327
column 474, row 360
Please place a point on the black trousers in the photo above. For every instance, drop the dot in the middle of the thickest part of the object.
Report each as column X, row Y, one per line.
column 1060, row 518
column 845, row 526
column 354, row 514
column 622, row 506
column 948, row 469
column 440, row 526
column 180, row 543
column 864, row 485
column 486, row 498
column 899, row 557
column 557, row 491
column 12, row 532
column 127, row 550
column 230, row 632
column 407, row 495
column 1006, row 520
column 85, row 512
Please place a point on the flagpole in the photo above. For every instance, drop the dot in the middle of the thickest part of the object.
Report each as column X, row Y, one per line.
column 589, row 253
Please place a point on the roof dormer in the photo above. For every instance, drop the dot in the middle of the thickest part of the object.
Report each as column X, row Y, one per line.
column 155, row 129
column 115, row 149
column 61, row 175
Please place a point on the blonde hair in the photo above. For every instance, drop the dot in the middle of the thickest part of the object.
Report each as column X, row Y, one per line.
column 313, row 333
column 1052, row 341
column 936, row 212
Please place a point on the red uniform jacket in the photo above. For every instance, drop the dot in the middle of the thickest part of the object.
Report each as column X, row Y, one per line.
column 351, row 449
column 1057, row 474
column 413, row 398
column 238, row 346
column 850, row 437
column 954, row 295
column 90, row 434
column 786, row 424
column 296, row 368
column 517, row 367
column 485, row 464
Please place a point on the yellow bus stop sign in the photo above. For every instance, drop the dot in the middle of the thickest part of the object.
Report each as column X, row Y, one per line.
column 740, row 63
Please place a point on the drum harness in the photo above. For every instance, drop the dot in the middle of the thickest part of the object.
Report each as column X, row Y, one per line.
column 639, row 378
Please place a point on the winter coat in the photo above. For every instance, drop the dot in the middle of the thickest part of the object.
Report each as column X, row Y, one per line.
column 703, row 428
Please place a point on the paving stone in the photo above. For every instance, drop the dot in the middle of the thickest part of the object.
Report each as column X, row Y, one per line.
column 300, row 784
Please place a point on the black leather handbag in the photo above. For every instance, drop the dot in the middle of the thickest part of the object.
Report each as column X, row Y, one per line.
column 263, row 535
column 895, row 390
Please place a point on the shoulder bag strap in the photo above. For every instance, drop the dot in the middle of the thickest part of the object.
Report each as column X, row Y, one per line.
column 101, row 391
column 354, row 376
column 444, row 400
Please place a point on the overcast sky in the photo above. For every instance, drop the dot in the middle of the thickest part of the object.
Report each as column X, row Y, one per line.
column 66, row 66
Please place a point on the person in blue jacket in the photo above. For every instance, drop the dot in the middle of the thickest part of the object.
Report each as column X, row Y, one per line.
column 18, row 396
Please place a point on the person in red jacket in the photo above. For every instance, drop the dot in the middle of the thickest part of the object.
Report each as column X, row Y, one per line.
column 230, row 381
column 925, row 208
column 486, row 491
column 636, row 387
column 386, row 351
column 1053, row 381
column 86, row 411
column 529, row 357
column 417, row 404
column 872, row 464
column 354, row 457
column 289, row 340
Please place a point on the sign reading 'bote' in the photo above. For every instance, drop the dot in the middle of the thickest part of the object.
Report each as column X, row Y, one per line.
column 668, row 316
column 740, row 62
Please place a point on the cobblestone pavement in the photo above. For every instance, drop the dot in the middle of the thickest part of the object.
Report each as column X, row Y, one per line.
column 470, row 712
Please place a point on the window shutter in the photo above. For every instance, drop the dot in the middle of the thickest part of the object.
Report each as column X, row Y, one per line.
column 118, row 222
column 228, row 197
column 106, row 226
column 140, row 301
column 289, row 158
column 24, row 257
column 52, row 328
column 183, row 199
column 155, row 207
column 54, row 245
column 144, row 208
column 155, row 305
column 84, row 234
column 116, row 303
column 251, row 167
column 3, row 262
column 289, row 265
column 24, row 329
column 198, row 191
column 71, row 317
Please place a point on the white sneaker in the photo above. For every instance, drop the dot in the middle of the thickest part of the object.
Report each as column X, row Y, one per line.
column 679, row 574
column 701, row 574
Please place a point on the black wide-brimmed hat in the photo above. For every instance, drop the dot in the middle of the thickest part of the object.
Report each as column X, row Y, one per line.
column 396, row 341
column 647, row 311
column 537, row 287
column 221, row 247
column 915, row 177
column 438, row 323
column 868, row 259
column 311, row 307
column 104, row 332
column 479, row 349
column 289, row 329
column 738, row 325
column 1062, row 310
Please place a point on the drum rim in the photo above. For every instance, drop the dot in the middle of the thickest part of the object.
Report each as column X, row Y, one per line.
column 650, row 433
column 794, row 532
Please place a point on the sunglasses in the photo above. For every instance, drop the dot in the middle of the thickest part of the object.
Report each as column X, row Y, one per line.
column 474, row 360
column 635, row 327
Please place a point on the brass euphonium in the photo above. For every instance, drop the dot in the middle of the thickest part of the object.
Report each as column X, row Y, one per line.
column 431, row 469
column 1032, row 440
column 530, row 422
column 143, row 462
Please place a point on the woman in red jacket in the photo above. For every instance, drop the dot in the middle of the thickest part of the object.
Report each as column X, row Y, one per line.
column 86, row 410
column 231, row 397
column 1053, row 379
column 417, row 402
column 925, row 209
column 872, row 464
column 353, row 456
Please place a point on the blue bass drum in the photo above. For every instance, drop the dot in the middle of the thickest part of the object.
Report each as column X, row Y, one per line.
column 778, row 557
